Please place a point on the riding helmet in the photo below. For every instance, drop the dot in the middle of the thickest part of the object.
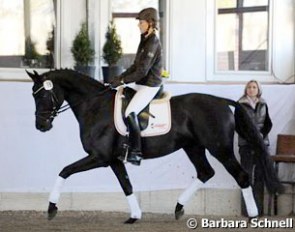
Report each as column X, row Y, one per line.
column 148, row 14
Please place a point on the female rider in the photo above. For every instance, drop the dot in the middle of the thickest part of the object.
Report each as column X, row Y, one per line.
column 146, row 74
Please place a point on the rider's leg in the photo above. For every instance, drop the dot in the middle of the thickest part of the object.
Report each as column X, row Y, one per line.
column 143, row 96
column 135, row 154
column 140, row 100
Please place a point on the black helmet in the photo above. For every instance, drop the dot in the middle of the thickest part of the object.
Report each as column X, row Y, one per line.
column 148, row 14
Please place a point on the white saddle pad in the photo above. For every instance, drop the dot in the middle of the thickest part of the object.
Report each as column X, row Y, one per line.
column 158, row 125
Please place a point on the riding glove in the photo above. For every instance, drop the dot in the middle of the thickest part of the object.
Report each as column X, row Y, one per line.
column 117, row 81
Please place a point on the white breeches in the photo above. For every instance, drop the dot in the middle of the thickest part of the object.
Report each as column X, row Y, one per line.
column 143, row 96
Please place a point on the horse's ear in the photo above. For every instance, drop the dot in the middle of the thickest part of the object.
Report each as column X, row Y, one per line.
column 34, row 76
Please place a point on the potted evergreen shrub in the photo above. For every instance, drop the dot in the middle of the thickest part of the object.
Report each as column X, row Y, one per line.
column 112, row 52
column 31, row 57
column 82, row 52
column 50, row 49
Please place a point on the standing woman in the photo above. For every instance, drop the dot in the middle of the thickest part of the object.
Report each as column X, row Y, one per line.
column 146, row 74
column 257, row 109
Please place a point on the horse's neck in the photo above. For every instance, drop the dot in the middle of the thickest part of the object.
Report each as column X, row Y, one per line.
column 78, row 88
column 80, row 93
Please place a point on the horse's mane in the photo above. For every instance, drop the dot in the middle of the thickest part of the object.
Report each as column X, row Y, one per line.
column 75, row 78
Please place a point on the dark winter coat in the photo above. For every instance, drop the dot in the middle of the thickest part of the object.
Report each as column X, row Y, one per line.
column 259, row 116
column 147, row 66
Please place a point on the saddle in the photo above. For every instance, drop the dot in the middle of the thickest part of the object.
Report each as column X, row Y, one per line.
column 154, row 119
column 144, row 115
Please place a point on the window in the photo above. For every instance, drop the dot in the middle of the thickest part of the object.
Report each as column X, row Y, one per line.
column 124, row 13
column 27, row 33
column 242, row 35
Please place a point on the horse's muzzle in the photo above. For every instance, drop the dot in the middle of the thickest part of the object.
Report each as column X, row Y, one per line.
column 43, row 125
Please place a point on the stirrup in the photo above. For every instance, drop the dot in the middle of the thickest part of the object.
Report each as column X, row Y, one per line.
column 134, row 157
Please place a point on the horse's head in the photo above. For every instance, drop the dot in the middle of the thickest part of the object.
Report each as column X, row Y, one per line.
column 48, row 100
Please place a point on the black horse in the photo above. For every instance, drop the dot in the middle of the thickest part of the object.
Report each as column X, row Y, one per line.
column 199, row 122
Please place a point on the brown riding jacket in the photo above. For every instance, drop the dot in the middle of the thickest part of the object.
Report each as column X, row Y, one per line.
column 147, row 66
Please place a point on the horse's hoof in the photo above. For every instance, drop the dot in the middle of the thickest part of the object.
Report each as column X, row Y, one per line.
column 179, row 214
column 52, row 211
column 130, row 221
column 179, row 211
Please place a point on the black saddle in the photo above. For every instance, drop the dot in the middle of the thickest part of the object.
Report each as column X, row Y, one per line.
column 143, row 117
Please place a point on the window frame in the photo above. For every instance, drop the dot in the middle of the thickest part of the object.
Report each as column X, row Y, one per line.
column 214, row 75
column 240, row 10
column 18, row 73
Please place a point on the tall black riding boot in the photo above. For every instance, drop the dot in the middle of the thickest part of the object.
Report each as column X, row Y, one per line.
column 134, row 140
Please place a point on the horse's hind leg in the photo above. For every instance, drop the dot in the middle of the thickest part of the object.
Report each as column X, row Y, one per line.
column 204, row 171
column 227, row 158
column 120, row 171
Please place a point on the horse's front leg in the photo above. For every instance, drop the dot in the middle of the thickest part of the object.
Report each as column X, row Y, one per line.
column 121, row 173
column 87, row 163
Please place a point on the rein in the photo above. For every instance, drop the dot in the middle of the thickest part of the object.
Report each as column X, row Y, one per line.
column 54, row 112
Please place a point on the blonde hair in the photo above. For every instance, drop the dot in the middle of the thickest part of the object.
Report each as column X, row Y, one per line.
column 258, row 86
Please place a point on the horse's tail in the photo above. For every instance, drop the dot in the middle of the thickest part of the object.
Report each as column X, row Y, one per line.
column 246, row 129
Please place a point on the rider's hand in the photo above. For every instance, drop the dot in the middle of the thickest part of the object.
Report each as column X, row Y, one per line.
column 117, row 81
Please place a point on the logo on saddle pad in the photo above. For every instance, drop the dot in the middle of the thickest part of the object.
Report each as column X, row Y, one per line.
column 154, row 120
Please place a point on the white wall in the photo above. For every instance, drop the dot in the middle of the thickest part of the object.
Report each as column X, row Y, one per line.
column 187, row 40
column 31, row 160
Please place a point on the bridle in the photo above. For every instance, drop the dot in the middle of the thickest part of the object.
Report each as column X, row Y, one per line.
column 54, row 100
